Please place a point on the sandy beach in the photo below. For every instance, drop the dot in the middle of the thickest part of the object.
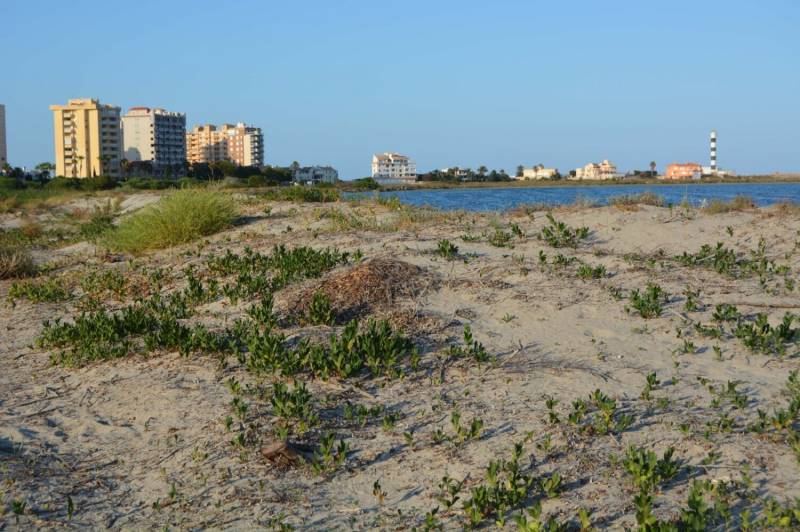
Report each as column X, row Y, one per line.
column 558, row 361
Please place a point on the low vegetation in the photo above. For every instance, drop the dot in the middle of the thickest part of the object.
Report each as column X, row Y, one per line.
column 322, row 394
column 177, row 218
column 15, row 261
column 559, row 235
column 737, row 204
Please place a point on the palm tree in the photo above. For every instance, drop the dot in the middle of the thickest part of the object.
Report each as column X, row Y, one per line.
column 520, row 170
column 652, row 167
column 482, row 170
column 45, row 167
column 125, row 167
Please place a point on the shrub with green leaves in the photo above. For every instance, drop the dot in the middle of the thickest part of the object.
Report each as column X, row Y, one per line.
column 39, row 291
column 760, row 336
column 447, row 249
column 177, row 218
column 507, row 487
column 587, row 271
column 726, row 261
column 293, row 405
column 559, row 235
column 650, row 303
column 320, row 311
column 647, row 470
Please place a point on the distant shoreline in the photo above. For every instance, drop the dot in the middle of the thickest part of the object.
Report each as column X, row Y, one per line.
column 433, row 185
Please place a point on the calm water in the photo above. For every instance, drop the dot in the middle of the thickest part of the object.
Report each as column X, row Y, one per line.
column 498, row 199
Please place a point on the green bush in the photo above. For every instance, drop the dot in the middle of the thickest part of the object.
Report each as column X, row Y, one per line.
column 178, row 218
column 302, row 194
column 149, row 183
column 256, row 181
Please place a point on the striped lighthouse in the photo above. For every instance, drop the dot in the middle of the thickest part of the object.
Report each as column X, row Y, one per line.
column 713, row 147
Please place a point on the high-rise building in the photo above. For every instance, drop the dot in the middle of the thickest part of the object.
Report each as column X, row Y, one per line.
column 245, row 144
column 88, row 138
column 391, row 165
column 3, row 147
column 155, row 135
column 240, row 144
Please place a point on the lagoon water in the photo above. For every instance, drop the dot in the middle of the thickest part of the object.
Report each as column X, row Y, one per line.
column 499, row 199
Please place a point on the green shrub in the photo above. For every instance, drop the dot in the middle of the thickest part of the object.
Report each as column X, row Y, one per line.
column 176, row 219
column 45, row 291
column 366, row 183
column 101, row 221
column 447, row 249
column 649, row 303
column 256, row 180
column 560, row 235
column 303, row 194
column 320, row 311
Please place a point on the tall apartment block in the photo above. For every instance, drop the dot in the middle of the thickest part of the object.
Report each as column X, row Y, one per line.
column 240, row 144
column 3, row 148
column 155, row 135
column 88, row 138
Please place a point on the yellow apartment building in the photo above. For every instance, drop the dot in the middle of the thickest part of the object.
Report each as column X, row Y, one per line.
column 88, row 138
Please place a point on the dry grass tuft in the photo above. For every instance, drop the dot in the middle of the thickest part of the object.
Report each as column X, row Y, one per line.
column 737, row 204
column 631, row 202
column 785, row 209
column 365, row 288
column 15, row 262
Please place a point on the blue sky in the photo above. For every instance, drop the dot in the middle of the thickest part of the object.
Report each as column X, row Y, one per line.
column 451, row 83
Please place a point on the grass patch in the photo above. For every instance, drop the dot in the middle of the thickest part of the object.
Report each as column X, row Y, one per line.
column 316, row 194
column 631, row 201
column 737, row 204
column 45, row 291
column 15, row 262
column 176, row 219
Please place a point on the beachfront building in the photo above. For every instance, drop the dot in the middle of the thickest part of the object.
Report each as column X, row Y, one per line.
column 316, row 174
column 3, row 148
column 155, row 135
column 683, row 171
column 391, row 165
column 597, row 171
column 240, row 144
column 460, row 173
column 88, row 138
column 538, row 172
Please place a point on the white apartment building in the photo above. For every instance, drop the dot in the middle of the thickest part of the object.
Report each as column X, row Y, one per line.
column 390, row 165
column 538, row 172
column 154, row 135
column 316, row 174
column 598, row 171
column 3, row 147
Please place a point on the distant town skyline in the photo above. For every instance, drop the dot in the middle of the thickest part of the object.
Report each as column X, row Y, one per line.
column 446, row 83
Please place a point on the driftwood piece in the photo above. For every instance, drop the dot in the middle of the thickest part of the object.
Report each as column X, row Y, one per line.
column 285, row 453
